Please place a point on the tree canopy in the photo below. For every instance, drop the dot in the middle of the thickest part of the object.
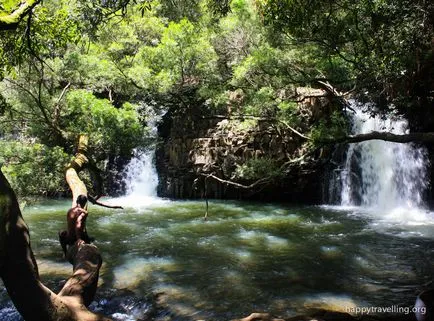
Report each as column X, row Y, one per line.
column 386, row 46
column 99, row 67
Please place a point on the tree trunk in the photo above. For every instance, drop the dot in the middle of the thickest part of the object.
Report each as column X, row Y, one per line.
column 75, row 183
column 19, row 271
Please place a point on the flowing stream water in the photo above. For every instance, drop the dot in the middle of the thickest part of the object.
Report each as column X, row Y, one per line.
column 376, row 249
column 390, row 174
column 247, row 257
column 387, row 179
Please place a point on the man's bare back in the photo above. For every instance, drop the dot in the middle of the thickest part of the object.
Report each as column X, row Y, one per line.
column 76, row 225
column 76, row 218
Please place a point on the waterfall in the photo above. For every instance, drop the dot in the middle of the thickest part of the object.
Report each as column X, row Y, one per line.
column 381, row 174
column 141, row 176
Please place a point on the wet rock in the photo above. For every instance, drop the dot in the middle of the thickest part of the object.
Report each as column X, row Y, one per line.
column 259, row 317
column 218, row 146
column 325, row 315
column 123, row 305
column 425, row 306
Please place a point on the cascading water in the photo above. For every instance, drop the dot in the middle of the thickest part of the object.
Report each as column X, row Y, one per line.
column 141, row 180
column 380, row 174
column 141, row 176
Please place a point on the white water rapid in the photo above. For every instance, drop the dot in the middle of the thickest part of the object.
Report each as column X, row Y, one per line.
column 383, row 176
column 141, row 176
column 141, row 180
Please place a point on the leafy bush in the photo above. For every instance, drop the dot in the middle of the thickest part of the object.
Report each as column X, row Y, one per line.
column 33, row 168
column 257, row 168
column 112, row 131
column 328, row 129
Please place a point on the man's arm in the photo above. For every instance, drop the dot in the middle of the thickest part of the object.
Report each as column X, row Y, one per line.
column 94, row 200
column 80, row 225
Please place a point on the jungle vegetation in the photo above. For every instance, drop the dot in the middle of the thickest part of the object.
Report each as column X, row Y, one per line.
column 100, row 67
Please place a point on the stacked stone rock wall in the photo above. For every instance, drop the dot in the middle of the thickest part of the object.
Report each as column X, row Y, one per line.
column 194, row 146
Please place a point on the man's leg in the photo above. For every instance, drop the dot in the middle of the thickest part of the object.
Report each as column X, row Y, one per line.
column 86, row 238
column 63, row 239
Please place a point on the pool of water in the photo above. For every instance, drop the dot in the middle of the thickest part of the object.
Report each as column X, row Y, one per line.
column 247, row 257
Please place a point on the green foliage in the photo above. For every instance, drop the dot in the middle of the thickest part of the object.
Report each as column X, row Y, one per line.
column 44, row 33
column 112, row 131
column 384, row 46
column 90, row 66
column 245, row 125
column 176, row 10
column 330, row 128
column 33, row 168
column 287, row 106
column 91, row 70
column 8, row 6
column 270, row 77
column 52, row 31
column 257, row 168
column 183, row 57
column 237, row 34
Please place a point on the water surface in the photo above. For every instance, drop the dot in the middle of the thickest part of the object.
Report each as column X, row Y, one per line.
column 247, row 257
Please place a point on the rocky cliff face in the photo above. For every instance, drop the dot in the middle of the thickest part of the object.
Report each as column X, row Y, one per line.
column 205, row 155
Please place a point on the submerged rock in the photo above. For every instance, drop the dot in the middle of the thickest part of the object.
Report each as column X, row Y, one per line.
column 123, row 305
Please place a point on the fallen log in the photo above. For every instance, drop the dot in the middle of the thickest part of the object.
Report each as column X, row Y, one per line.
column 19, row 271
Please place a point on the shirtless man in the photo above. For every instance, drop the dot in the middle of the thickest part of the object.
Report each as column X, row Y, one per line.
column 76, row 219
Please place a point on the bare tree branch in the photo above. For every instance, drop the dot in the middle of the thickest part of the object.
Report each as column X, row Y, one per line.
column 94, row 200
column 407, row 138
column 294, row 130
column 256, row 183
column 58, row 106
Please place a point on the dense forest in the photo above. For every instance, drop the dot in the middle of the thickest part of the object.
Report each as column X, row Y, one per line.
column 102, row 68
column 241, row 99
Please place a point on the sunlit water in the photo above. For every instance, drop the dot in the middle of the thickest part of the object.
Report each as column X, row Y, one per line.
column 141, row 181
column 245, row 258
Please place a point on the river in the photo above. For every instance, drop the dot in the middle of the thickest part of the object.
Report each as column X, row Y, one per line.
column 246, row 257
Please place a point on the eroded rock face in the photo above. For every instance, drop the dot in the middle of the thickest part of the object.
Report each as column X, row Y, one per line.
column 202, row 144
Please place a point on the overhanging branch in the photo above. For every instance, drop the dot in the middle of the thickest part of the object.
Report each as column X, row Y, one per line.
column 261, row 181
column 294, row 130
column 12, row 20
column 386, row 136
